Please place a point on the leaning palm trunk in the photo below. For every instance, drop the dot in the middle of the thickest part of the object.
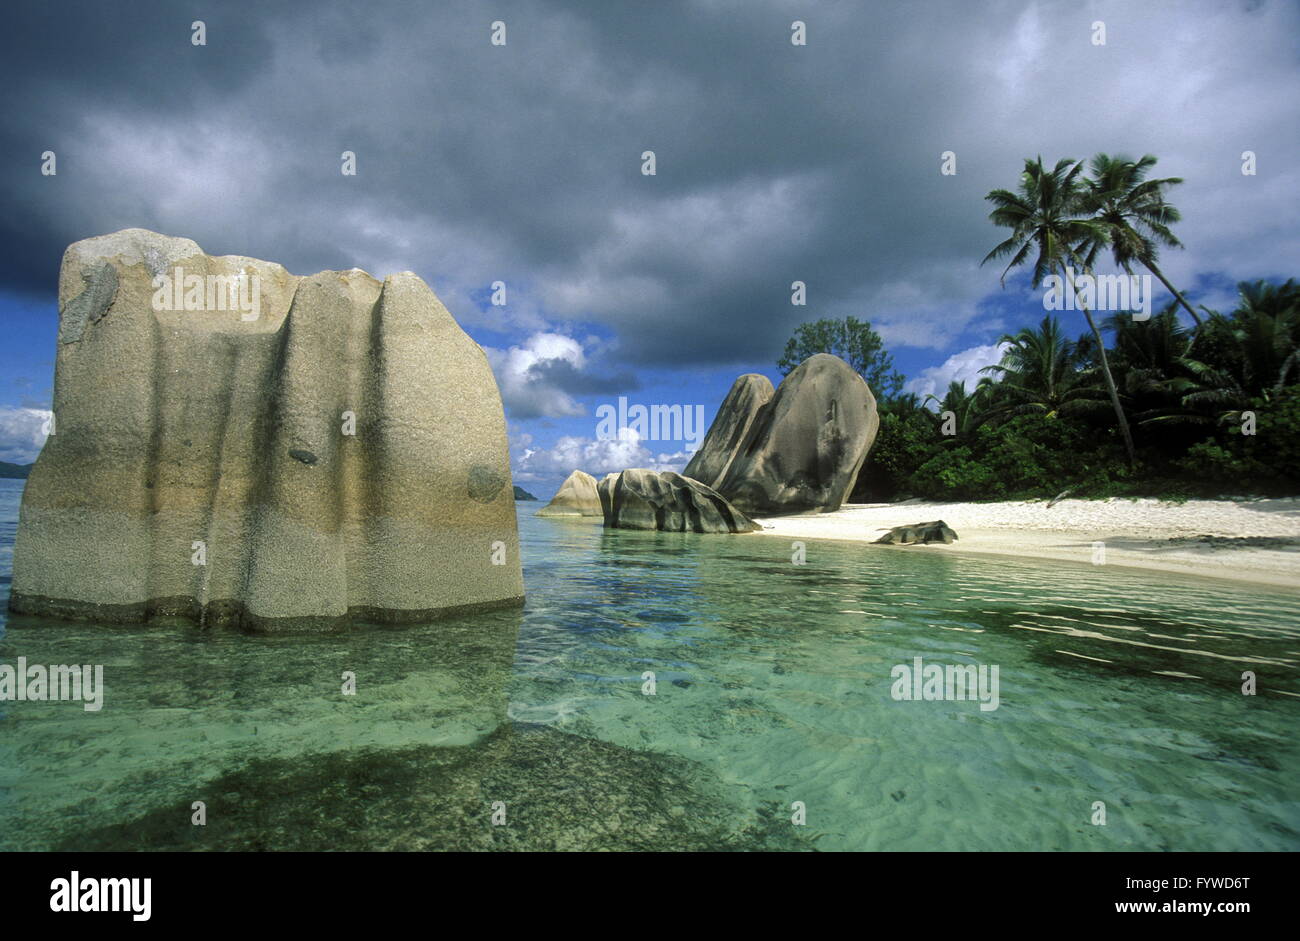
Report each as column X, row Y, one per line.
column 1287, row 365
column 1160, row 276
column 1105, row 371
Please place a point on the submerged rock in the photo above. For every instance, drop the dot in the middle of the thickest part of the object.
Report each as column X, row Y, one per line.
column 560, row 792
column 234, row 443
column 918, row 534
column 799, row 450
column 577, row 496
column 644, row 499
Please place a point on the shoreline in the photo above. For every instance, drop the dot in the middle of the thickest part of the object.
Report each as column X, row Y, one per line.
column 1248, row 542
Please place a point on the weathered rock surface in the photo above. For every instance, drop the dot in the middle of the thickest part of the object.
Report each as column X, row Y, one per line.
column 731, row 426
column 644, row 499
column 918, row 534
column 577, row 496
column 605, row 491
column 805, row 446
column 341, row 452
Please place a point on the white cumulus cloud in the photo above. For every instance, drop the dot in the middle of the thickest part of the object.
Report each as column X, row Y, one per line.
column 523, row 379
column 22, row 433
column 593, row 455
column 963, row 367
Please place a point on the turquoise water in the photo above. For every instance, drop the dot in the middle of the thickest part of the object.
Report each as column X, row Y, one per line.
column 772, row 686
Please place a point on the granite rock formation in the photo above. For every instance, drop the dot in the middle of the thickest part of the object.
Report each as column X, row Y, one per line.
column 730, row 429
column 576, row 497
column 605, row 491
column 802, row 448
column 237, row 444
column 644, row 499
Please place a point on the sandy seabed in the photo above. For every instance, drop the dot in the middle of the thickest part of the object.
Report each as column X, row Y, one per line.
column 1247, row 540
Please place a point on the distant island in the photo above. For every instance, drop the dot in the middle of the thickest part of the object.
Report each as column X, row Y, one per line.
column 520, row 493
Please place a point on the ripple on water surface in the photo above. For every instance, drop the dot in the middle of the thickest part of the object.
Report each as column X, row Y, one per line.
column 771, row 686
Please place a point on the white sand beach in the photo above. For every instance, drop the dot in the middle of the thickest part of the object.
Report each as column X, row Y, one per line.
column 1254, row 541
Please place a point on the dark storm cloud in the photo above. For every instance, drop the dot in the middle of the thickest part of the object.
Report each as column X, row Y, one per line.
column 64, row 62
column 565, row 376
column 521, row 163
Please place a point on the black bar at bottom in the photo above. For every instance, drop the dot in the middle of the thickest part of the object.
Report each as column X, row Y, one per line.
column 943, row 890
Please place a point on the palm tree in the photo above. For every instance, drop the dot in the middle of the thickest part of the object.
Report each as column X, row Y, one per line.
column 966, row 407
column 1248, row 355
column 904, row 404
column 1152, row 359
column 1135, row 216
column 1049, row 215
column 1266, row 325
column 1040, row 372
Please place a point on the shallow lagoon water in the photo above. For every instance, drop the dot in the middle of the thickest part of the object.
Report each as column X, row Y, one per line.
column 772, row 686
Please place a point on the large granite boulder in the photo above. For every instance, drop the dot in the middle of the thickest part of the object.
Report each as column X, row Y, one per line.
column 334, row 449
column 748, row 395
column 806, row 445
column 576, row 497
column 645, row 499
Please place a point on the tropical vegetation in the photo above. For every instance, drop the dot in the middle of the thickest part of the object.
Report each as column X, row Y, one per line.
column 1158, row 406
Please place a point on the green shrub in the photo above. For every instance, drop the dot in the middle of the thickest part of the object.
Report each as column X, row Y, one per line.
column 1037, row 456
